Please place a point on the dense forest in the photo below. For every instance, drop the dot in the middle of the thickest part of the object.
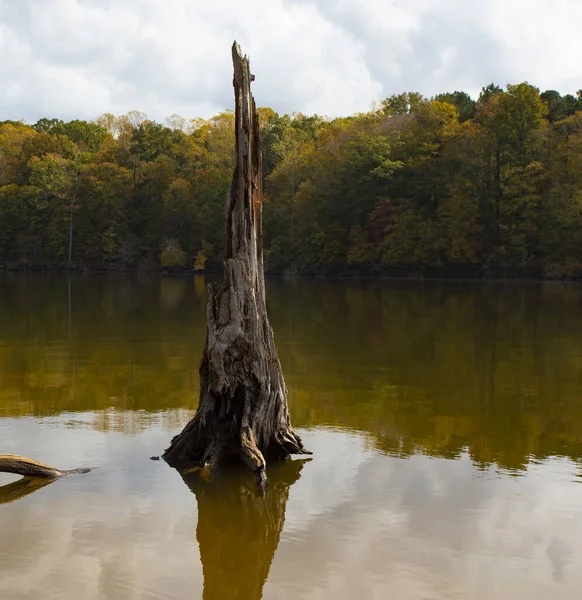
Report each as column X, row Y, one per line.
column 415, row 186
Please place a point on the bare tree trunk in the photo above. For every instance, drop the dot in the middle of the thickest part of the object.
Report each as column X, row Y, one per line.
column 242, row 413
column 70, row 262
column 71, row 209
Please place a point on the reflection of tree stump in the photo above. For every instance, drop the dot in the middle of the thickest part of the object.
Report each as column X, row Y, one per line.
column 242, row 413
column 239, row 528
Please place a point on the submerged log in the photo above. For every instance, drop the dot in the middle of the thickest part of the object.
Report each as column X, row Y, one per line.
column 19, row 465
column 242, row 413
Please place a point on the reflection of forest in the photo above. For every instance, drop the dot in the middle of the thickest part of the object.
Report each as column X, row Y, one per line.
column 131, row 344
column 440, row 367
column 423, row 367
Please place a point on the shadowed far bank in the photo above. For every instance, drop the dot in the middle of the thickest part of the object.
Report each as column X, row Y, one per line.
column 292, row 271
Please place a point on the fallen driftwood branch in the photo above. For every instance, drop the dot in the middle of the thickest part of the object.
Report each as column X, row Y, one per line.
column 20, row 465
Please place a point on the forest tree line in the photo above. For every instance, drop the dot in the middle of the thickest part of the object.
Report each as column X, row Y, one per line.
column 447, row 185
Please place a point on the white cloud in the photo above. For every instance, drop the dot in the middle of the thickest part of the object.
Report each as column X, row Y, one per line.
column 80, row 58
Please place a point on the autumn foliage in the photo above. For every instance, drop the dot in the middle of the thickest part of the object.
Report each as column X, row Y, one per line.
column 443, row 186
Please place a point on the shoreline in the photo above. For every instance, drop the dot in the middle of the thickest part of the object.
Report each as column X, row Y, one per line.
column 395, row 275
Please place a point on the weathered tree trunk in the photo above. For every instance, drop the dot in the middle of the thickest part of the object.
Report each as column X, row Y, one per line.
column 242, row 411
column 239, row 529
column 19, row 465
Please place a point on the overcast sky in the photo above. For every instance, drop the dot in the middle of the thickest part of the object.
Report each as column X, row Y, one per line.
column 81, row 58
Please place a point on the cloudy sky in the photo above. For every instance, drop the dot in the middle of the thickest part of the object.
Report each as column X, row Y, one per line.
column 81, row 58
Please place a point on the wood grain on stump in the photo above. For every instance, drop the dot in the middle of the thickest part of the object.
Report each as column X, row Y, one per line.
column 242, row 413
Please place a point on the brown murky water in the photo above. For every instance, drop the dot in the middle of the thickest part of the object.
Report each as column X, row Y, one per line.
column 445, row 420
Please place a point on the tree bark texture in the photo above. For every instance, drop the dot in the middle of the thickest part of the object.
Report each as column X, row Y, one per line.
column 19, row 465
column 242, row 413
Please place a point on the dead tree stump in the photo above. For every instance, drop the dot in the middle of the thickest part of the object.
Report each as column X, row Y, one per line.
column 242, row 413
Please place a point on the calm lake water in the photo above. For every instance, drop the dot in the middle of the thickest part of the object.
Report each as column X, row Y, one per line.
column 445, row 420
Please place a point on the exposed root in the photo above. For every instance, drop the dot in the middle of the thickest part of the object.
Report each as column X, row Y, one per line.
column 291, row 442
column 223, row 450
column 213, row 455
column 251, row 456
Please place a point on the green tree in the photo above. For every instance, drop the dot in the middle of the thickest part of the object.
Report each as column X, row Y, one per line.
column 519, row 113
column 466, row 106
column 59, row 179
column 488, row 92
column 403, row 104
column 172, row 255
column 87, row 136
column 45, row 125
column 102, row 226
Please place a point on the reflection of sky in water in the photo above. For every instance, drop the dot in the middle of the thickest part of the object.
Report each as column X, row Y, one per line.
column 488, row 372
column 358, row 524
